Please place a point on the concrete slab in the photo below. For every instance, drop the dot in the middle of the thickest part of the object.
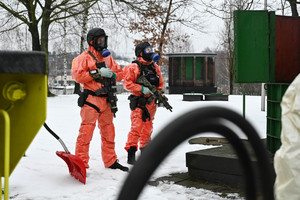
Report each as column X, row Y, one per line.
column 192, row 97
column 184, row 179
column 220, row 164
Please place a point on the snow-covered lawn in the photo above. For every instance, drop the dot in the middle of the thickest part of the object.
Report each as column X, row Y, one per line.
column 42, row 175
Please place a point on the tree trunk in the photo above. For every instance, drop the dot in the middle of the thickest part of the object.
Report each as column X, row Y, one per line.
column 45, row 33
column 33, row 29
column 165, row 24
column 294, row 10
column 82, row 40
column 231, row 79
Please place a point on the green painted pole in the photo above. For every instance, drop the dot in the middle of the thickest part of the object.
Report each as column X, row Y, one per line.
column 6, row 152
column 244, row 104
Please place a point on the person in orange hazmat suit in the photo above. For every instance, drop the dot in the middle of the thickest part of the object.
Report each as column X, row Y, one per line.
column 142, row 111
column 96, row 71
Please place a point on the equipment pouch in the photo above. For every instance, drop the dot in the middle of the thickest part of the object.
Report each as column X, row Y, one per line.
column 82, row 98
column 133, row 100
column 142, row 101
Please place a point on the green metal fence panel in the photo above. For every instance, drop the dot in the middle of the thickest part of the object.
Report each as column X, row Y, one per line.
column 251, row 46
column 189, row 65
column 275, row 92
column 198, row 68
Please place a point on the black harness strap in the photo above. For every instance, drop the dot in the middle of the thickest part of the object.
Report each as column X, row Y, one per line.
column 139, row 64
column 92, row 105
column 82, row 99
column 90, row 92
column 93, row 56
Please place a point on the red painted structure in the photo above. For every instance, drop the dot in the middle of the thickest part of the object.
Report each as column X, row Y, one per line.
column 287, row 48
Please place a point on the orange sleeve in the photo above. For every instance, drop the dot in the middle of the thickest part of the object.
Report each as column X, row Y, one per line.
column 81, row 66
column 161, row 81
column 115, row 68
column 131, row 73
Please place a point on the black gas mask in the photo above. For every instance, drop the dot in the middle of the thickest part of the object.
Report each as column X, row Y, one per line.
column 148, row 54
column 92, row 40
column 145, row 49
column 102, row 47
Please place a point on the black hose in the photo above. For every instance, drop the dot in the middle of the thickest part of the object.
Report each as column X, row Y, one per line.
column 199, row 121
column 239, row 148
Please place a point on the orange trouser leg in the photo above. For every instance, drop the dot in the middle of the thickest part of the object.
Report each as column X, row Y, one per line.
column 140, row 131
column 89, row 116
column 147, row 130
column 136, row 128
column 146, row 133
column 107, row 131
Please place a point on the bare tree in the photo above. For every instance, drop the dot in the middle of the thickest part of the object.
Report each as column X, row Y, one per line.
column 38, row 16
column 153, row 21
column 225, row 12
column 19, row 39
column 221, row 72
column 178, row 41
column 36, row 13
column 293, row 4
column 82, row 22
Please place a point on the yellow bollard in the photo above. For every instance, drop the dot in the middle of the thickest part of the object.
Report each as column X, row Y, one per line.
column 6, row 153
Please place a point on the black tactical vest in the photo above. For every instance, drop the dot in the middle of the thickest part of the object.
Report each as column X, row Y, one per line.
column 149, row 72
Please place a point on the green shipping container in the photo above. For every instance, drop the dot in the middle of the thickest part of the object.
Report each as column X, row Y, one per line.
column 253, row 45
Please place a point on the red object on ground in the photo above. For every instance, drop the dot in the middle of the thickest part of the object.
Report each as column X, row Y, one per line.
column 75, row 164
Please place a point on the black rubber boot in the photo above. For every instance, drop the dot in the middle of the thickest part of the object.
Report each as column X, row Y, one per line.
column 131, row 155
column 117, row 165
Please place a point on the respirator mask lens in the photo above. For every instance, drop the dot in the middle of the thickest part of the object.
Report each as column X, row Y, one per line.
column 148, row 50
column 100, row 43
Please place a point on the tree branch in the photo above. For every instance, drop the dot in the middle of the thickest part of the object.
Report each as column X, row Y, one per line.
column 67, row 9
column 12, row 28
column 15, row 14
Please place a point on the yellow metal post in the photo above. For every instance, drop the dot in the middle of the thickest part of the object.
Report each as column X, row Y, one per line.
column 6, row 152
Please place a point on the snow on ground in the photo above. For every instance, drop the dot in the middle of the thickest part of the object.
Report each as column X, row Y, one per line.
column 41, row 175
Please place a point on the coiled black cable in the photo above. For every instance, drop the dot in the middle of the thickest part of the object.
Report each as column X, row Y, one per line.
column 200, row 120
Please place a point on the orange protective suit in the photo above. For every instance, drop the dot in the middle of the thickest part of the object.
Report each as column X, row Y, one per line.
column 140, row 131
column 80, row 72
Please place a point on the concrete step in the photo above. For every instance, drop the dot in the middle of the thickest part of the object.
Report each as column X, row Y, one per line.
column 221, row 164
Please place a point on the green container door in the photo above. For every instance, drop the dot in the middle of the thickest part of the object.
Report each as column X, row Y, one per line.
column 198, row 68
column 189, row 66
column 252, row 46
column 275, row 92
